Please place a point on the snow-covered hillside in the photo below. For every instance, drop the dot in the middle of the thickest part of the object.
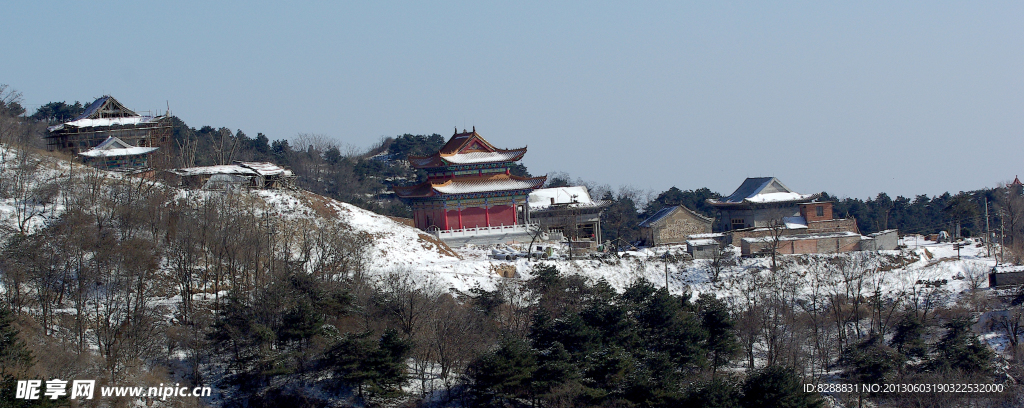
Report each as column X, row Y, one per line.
column 396, row 246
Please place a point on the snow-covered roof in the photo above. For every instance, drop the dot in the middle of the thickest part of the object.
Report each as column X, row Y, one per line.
column 888, row 231
column 665, row 212
column 113, row 147
column 706, row 235
column 484, row 157
column 106, row 111
column 802, row 237
column 131, row 151
column 778, row 197
column 467, row 185
column 701, row 242
column 94, row 108
column 479, row 186
column 239, row 168
column 760, row 190
column 266, row 168
column 796, row 222
column 135, row 120
column 574, row 195
column 1007, row 268
column 466, row 148
column 218, row 169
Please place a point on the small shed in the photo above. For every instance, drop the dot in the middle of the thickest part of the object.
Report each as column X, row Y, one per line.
column 258, row 175
column 672, row 225
column 887, row 240
column 1006, row 275
column 702, row 248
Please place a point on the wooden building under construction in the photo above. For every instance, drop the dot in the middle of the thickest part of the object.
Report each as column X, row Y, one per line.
column 106, row 118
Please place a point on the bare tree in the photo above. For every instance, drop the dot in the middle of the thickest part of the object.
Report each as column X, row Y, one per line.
column 1011, row 323
column 720, row 259
column 224, row 146
column 776, row 227
column 405, row 300
column 187, row 150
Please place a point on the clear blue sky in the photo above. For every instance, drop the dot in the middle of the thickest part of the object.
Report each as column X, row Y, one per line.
column 852, row 98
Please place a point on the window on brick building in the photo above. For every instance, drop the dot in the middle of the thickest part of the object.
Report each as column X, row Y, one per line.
column 737, row 223
column 820, row 211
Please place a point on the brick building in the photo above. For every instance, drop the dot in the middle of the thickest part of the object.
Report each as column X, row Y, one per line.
column 759, row 202
column 763, row 209
column 672, row 225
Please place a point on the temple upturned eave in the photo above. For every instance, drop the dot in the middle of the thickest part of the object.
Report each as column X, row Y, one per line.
column 438, row 160
column 455, row 187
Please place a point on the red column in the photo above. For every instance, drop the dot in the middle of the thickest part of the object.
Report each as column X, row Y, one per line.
column 487, row 213
column 515, row 212
column 444, row 212
column 460, row 216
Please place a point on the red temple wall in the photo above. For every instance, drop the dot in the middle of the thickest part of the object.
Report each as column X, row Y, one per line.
column 453, row 219
column 427, row 217
column 472, row 217
column 502, row 215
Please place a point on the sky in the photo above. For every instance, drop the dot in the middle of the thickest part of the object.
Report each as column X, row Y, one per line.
column 852, row 98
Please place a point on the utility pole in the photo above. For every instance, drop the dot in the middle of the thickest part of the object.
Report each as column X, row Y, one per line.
column 666, row 273
column 1001, row 243
column 988, row 233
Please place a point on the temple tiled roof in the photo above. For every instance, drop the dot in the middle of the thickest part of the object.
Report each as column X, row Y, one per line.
column 466, row 148
column 469, row 185
column 762, row 190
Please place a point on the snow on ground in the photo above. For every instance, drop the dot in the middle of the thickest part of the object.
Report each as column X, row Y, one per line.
column 398, row 247
column 22, row 174
column 403, row 248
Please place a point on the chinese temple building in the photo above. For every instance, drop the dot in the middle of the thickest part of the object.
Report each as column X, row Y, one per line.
column 469, row 185
column 758, row 202
column 106, row 118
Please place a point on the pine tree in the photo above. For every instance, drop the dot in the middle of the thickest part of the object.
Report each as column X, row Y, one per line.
column 777, row 387
column 15, row 360
column 960, row 350
column 720, row 327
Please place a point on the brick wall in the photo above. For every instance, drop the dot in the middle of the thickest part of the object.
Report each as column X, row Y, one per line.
column 845, row 224
column 810, row 211
column 806, row 246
